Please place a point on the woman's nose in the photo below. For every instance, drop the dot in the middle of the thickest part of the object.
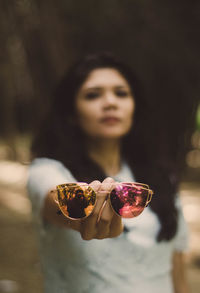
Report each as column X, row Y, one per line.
column 110, row 100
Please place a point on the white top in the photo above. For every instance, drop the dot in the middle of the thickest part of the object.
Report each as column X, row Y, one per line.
column 134, row 262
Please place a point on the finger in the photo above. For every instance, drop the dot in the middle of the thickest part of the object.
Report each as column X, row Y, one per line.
column 106, row 187
column 107, row 212
column 107, row 183
column 54, row 195
column 95, row 185
column 74, row 224
column 89, row 228
column 110, row 224
column 88, row 225
column 108, row 179
column 104, row 222
column 103, row 192
column 116, row 226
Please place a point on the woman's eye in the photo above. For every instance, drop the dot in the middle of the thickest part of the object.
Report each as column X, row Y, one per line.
column 92, row 95
column 121, row 93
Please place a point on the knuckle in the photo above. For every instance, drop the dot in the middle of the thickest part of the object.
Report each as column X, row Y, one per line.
column 115, row 232
column 108, row 179
column 85, row 236
column 95, row 185
column 100, row 236
column 105, row 221
column 103, row 232
column 96, row 182
column 95, row 214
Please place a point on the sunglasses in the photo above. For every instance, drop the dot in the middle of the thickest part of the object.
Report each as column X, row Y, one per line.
column 128, row 200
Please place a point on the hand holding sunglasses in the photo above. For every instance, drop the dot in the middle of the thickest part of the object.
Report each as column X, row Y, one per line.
column 96, row 209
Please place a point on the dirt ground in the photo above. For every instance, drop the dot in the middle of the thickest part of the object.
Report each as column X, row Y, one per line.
column 19, row 262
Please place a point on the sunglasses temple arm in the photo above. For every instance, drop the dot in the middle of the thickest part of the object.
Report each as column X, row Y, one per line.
column 149, row 197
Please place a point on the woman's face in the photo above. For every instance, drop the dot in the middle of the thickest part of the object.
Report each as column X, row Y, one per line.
column 105, row 104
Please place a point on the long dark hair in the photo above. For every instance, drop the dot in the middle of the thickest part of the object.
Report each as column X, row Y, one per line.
column 60, row 138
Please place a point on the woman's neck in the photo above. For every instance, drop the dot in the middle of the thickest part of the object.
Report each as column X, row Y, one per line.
column 106, row 153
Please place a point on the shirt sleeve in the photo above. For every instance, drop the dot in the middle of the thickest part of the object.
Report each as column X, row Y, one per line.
column 43, row 175
column 182, row 236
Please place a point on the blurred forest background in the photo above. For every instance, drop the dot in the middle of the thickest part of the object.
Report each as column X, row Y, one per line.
column 40, row 39
column 159, row 39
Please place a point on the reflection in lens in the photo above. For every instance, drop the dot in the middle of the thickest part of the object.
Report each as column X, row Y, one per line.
column 76, row 201
column 128, row 201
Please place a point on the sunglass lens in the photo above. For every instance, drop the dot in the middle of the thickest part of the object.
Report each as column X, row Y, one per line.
column 128, row 201
column 76, row 201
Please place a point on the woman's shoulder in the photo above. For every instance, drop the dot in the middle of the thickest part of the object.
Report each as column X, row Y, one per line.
column 44, row 161
column 46, row 173
column 49, row 168
column 48, row 164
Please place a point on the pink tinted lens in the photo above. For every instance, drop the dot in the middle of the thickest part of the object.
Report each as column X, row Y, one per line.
column 129, row 201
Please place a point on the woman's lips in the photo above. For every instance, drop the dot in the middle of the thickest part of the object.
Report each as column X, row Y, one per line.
column 110, row 120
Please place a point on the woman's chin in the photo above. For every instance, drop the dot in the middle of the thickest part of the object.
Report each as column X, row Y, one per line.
column 111, row 135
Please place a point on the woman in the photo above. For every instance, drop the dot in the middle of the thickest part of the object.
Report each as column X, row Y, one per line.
column 94, row 134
